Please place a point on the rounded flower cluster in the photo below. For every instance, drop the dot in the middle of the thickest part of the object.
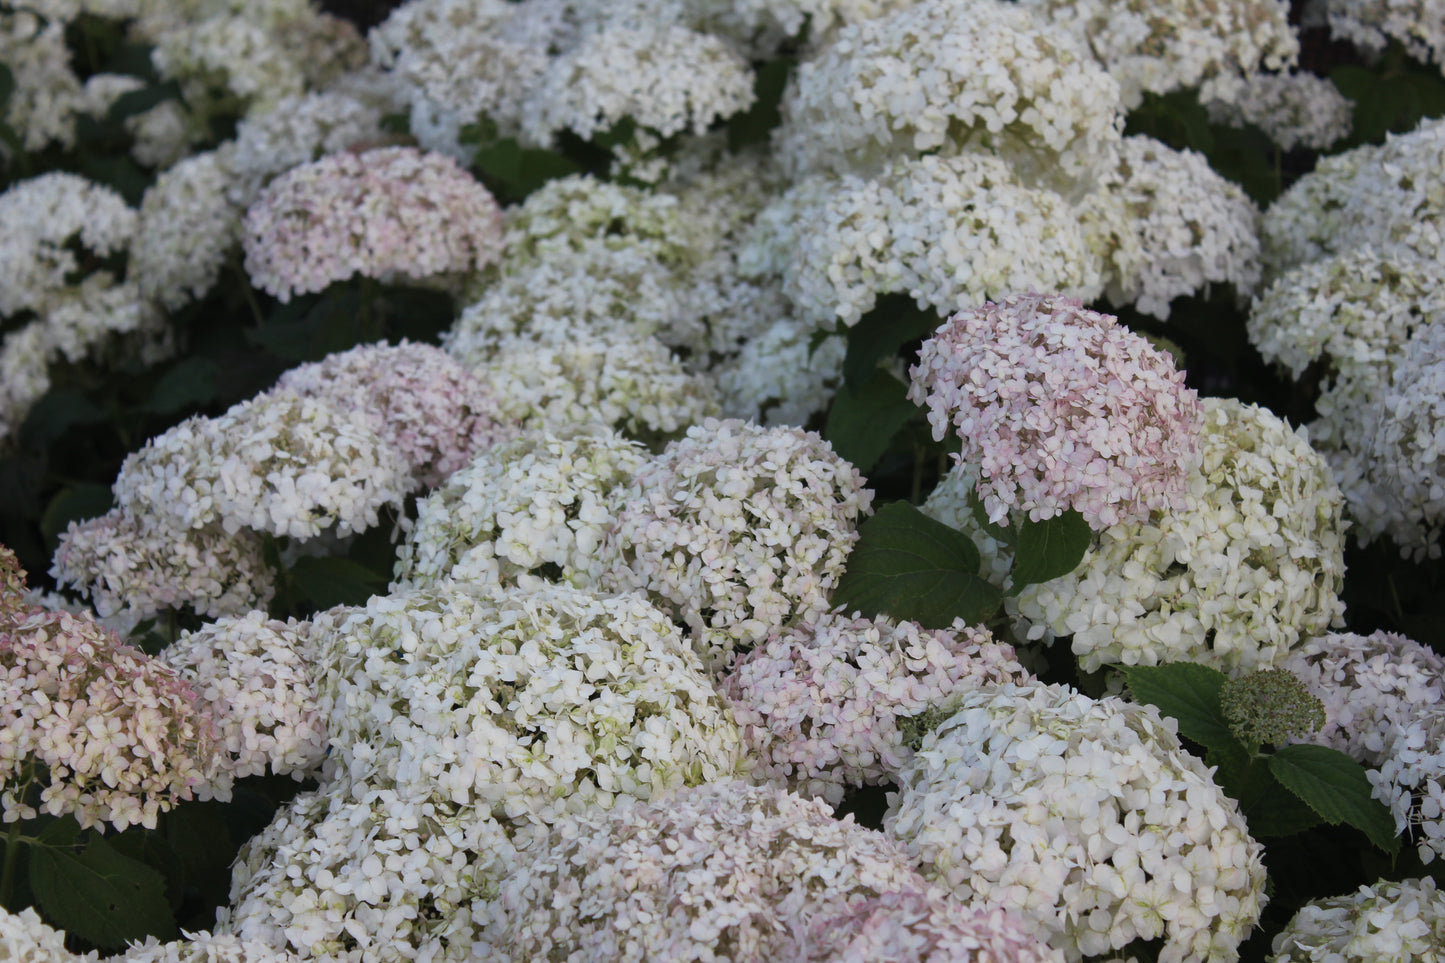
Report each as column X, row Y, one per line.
column 951, row 232
column 736, row 529
column 1251, row 564
column 420, row 400
column 524, row 703
column 134, row 565
column 1410, row 780
column 835, row 701
column 382, row 213
column 250, row 673
column 781, row 376
column 25, row 938
column 368, row 875
column 1372, row 25
column 945, row 73
column 1194, row 227
column 203, row 947
column 188, row 228
column 300, row 129
column 108, row 734
column 1294, row 109
column 522, row 507
column 1088, row 817
column 1061, row 408
column 279, row 463
column 720, row 872
column 1389, row 922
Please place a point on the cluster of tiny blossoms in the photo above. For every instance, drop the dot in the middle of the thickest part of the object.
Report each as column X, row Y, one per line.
column 1247, row 567
column 1087, row 816
column 539, row 500
column 1061, row 408
column 383, row 213
column 944, row 73
column 1417, row 25
column 1388, row 922
column 1294, row 109
column 1410, row 780
column 834, row 701
column 736, row 529
column 524, row 703
column 25, row 938
column 203, row 947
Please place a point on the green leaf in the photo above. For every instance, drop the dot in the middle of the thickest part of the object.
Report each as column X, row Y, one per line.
column 881, row 332
column 56, row 413
column 1188, row 692
column 908, row 566
column 100, row 895
column 75, row 503
column 1268, row 808
column 7, row 84
column 1048, row 549
column 188, row 385
column 753, row 125
column 1336, row 787
column 139, row 101
column 335, row 581
column 863, row 420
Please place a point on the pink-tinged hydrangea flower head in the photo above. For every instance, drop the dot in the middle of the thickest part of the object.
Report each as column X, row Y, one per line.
column 382, row 213
column 1062, row 408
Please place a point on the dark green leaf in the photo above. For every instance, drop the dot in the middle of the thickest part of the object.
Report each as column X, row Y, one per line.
column 1269, row 808
column 7, row 84
column 908, row 566
column 149, row 847
column 75, row 503
column 881, row 332
column 1189, row 693
column 863, row 420
column 56, row 413
column 142, row 100
column 1048, row 549
column 335, row 581
column 187, row 385
column 1336, row 787
column 755, row 124
column 100, row 895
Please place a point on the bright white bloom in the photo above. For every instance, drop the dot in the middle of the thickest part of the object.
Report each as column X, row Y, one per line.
column 203, row 947
column 25, row 938
column 300, row 129
column 537, row 502
column 1194, row 227
column 1417, row 25
column 950, row 231
column 1410, row 780
column 781, row 376
column 133, row 566
column 250, row 674
column 835, row 701
column 1382, row 196
column 188, row 229
column 1061, row 408
column 524, row 703
column 1389, row 922
column 1294, row 109
column 1157, row 46
column 228, row 64
column 1086, row 816
column 945, row 74
column 1247, row 568
column 360, row 874
column 735, row 530
column 718, row 872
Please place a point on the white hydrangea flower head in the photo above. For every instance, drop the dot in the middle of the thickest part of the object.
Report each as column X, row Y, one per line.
column 782, row 376
column 1387, row 922
column 1061, row 408
column 1371, row 25
column 836, row 701
column 361, row 874
column 663, row 77
column 1370, row 685
column 736, row 529
column 417, row 398
column 1194, row 227
column 1392, row 478
column 1410, row 780
column 722, row 871
column 300, row 129
column 382, row 213
column 228, row 63
column 203, row 947
column 134, row 566
column 949, row 73
column 250, row 674
column 539, row 500
column 1294, row 109
column 523, row 703
column 47, row 95
column 1087, row 817
column 1384, row 196
column 1155, row 47
column 26, row 938
column 951, row 232
column 1250, row 566
column 187, row 230
column 162, row 134
column 279, row 463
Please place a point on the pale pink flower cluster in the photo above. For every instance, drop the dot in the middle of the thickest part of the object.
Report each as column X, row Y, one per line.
column 108, row 734
column 389, row 212
column 420, row 400
column 1062, row 408
column 834, row 701
column 250, row 673
column 736, row 529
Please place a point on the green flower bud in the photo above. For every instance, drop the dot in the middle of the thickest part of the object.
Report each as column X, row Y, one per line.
column 1270, row 706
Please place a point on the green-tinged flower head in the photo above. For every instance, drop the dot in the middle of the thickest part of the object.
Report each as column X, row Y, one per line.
column 1271, row 706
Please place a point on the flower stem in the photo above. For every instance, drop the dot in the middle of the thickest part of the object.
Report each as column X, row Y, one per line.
column 7, row 874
